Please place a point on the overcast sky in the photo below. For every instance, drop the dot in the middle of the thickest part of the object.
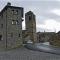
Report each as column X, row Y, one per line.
column 47, row 12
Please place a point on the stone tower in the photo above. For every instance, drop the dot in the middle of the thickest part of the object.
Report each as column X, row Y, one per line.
column 31, row 25
column 11, row 26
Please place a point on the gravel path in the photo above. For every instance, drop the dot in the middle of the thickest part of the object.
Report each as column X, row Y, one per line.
column 25, row 54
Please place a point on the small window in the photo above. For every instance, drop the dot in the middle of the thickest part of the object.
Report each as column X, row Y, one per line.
column 19, row 35
column 11, row 34
column 12, row 11
column 13, row 22
column 16, row 21
column 29, row 17
column 1, row 25
column 15, row 12
column 0, row 37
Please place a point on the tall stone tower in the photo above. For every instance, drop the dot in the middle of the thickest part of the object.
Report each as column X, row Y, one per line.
column 11, row 26
column 31, row 25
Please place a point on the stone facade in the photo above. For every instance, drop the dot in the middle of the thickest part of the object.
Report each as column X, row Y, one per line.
column 44, row 36
column 11, row 26
column 55, row 40
column 25, row 36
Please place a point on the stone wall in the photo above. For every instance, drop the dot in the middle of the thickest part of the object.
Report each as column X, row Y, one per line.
column 55, row 40
column 44, row 36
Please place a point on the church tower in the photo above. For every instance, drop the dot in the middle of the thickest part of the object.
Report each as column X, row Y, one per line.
column 31, row 25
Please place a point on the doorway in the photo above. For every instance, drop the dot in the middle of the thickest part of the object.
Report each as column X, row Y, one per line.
column 0, row 37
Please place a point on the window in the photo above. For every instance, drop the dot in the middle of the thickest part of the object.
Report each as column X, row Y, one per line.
column 15, row 12
column 11, row 34
column 0, row 37
column 12, row 11
column 15, row 22
column 19, row 35
column 1, row 25
column 29, row 17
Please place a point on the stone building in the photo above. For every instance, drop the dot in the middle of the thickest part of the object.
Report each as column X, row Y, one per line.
column 44, row 36
column 55, row 40
column 30, row 32
column 11, row 26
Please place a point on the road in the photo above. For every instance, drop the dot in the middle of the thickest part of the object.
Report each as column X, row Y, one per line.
column 43, row 48
column 26, row 54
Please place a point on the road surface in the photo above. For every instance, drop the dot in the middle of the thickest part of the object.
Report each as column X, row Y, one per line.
column 43, row 48
column 26, row 54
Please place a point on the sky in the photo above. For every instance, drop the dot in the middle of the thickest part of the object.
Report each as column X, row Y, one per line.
column 47, row 13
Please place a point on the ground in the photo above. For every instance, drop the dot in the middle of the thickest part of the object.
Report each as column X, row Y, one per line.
column 25, row 54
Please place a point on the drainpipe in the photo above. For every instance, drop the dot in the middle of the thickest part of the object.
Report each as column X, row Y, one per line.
column 6, row 28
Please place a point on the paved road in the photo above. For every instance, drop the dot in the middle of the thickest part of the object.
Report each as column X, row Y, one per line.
column 25, row 54
column 44, row 48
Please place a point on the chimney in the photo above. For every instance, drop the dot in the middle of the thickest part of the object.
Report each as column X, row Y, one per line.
column 8, row 4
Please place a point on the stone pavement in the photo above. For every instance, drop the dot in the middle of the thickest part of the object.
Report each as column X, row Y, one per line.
column 25, row 54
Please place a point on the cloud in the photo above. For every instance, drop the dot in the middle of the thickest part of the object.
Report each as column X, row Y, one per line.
column 50, row 24
column 56, row 11
column 46, row 11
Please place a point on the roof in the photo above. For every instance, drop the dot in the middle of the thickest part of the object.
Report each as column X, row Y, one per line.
column 30, row 12
column 5, row 8
column 45, row 32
